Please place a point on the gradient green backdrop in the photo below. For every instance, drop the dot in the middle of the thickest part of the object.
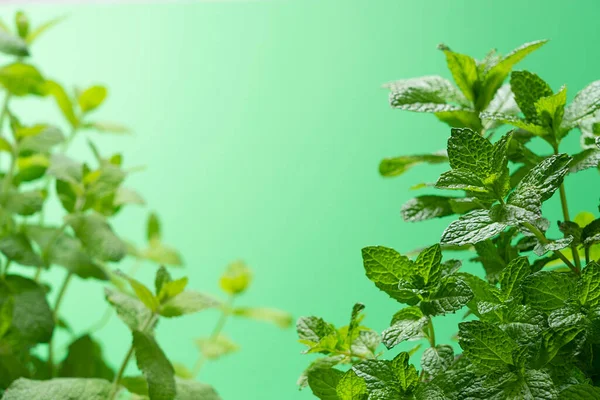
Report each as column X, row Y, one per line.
column 262, row 124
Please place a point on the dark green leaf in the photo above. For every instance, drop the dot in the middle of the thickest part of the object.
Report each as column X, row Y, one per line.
column 582, row 391
column 437, row 359
column 84, row 360
column 157, row 369
column 97, row 237
column 528, row 89
column 512, row 277
column 547, row 290
column 471, row 228
column 450, row 296
column 323, row 383
column 589, row 285
column 12, row 45
column 486, row 345
column 17, row 247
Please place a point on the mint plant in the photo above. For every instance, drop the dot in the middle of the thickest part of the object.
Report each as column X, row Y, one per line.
column 532, row 319
column 36, row 172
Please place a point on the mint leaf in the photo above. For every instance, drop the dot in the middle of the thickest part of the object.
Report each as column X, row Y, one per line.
column 386, row 268
column 428, row 264
column 396, row 166
column 588, row 286
column 486, row 346
column 585, row 103
column 458, row 179
column 544, row 178
column 467, row 150
column 451, row 295
column 157, row 369
column 426, row 94
column 582, row 391
column 43, row 139
column 589, row 158
column 533, row 384
column 473, row 227
column 550, row 109
column 17, row 247
column 552, row 245
column 280, row 318
column 517, row 122
column 84, row 360
column 192, row 390
column 142, row 292
column 406, row 373
column 464, row 71
column 216, row 347
column 512, row 277
column 97, row 237
column 129, row 309
column 351, row 387
column 460, row 119
column 528, row 89
column 426, row 207
column 407, row 324
column 58, row 388
column 437, row 359
column 547, row 290
column 323, row 383
column 188, row 302
column 91, row 98
column 13, row 45
column 380, row 379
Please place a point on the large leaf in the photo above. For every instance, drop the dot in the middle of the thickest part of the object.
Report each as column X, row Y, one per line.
column 323, row 383
column 471, row 228
column 84, row 360
column 547, row 290
column 98, row 237
column 426, row 94
column 59, row 389
column 157, row 369
column 386, row 268
column 486, row 345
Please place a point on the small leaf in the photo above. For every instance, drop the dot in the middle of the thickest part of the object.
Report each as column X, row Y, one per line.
column 62, row 100
column 156, row 367
column 129, row 309
column 405, row 372
column 162, row 254
column 97, row 236
column 46, row 138
column 399, row 165
column 464, row 71
column 407, row 324
column 450, row 296
column 191, row 390
column 22, row 79
column 153, row 227
column 91, row 98
column 428, row 264
column 437, row 359
column 84, row 360
column 386, row 268
column 171, row 289
column 13, row 45
column 425, row 94
column 277, row 317
column 528, row 89
column 188, row 302
column 17, row 247
column 313, row 329
column 236, row 278
column 216, row 347
column 426, row 207
column 142, row 292
column 162, row 277
column 473, row 227
column 23, row 202
column 585, row 103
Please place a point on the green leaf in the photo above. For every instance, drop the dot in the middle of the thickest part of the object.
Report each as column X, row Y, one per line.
column 66, row 251
column 436, row 360
column 129, row 309
column 399, row 165
column 458, row 179
column 582, row 391
column 191, row 390
column 13, row 45
column 426, row 94
column 428, row 264
column 589, row 285
column 58, row 388
column 323, row 383
column 407, row 324
column 351, row 387
column 62, row 100
column 585, row 103
column 22, row 23
column 188, row 302
column 589, row 158
column 550, row 109
column 46, row 138
column 386, row 268
column 17, row 247
column 319, row 363
column 498, row 73
column 157, row 369
column 162, row 254
column 313, row 329
column 512, row 277
column 460, row 119
column 32, row 319
column 406, row 373
column 534, row 385
column 107, row 127
column 486, row 346
column 65, row 169
column 467, row 150
column 547, row 290
column 517, row 122
column 380, row 379
column 35, row 33
column 23, row 203
column 452, row 295
column 464, row 71
column 22, row 79
column 545, row 178
column 142, row 292
column 84, row 360
column 171, row 289
column 280, row 318
column 216, row 347
column 162, row 277
column 473, row 227
column 97, row 236
column 91, row 98
column 552, row 245
column 236, row 278
column 528, row 89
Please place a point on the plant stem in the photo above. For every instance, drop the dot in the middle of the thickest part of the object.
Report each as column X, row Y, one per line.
column 565, row 210
column 8, row 261
column 59, row 299
column 121, row 371
column 542, row 238
column 587, row 254
column 431, row 333
column 4, row 109
column 215, row 333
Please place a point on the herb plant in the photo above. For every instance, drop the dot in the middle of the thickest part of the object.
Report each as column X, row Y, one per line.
column 35, row 171
column 532, row 320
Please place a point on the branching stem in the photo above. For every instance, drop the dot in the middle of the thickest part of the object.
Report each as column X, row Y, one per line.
column 542, row 238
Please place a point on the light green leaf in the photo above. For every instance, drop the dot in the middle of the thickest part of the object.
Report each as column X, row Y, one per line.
column 156, row 367
column 188, row 389
column 585, row 103
column 323, row 383
column 162, row 277
column 107, row 127
column 35, row 33
column 380, row 379
column 97, row 236
column 437, row 359
column 516, row 122
column 426, row 207
column 48, row 137
column 131, row 311
column 313, row 329
column 280, row 318
column 125, row 196
column 13, row 45
column 22, row 79
column 236, row 278
column 473, row 227
column 91, row 98
column 545, row 177
column 153, row 227
column 162, row 254
column 452, row 295
column 188, row 302
column 216, row 347
column 171, row 289
column 351, row 387
column 458, row 179
column 550, row 109
column 464, row 71
column 469, row 151
column 142, row 292
column 386, row 268
column 396, row 166
column 62, row 100
column 425, row 94
column 486, row 346
column 428, row 264
column 407, row 324
column 547, row 290
column 24, row 203
column 406, row 373
column 58, row 388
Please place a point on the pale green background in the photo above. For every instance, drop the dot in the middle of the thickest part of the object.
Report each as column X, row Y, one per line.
column 262, row 124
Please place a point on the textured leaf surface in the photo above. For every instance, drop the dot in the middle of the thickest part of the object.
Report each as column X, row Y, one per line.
column 585, row 103
column 386, row 268
column 528, row 89
column 473, row 227
column 437, row 359
column 486, row 345
column 547, row 290
column 351, row 387
column 59, row 389
column 450, row 296
column 323, row 383
column 157, row 369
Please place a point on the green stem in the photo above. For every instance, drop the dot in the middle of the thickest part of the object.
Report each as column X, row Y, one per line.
column 587, row 254
column 121, row 371
column 565, row 210
column 215, row 333
column 542, row 239
column 59, row 299
column 8, row 261
column 431, row 333
column 4, row 109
